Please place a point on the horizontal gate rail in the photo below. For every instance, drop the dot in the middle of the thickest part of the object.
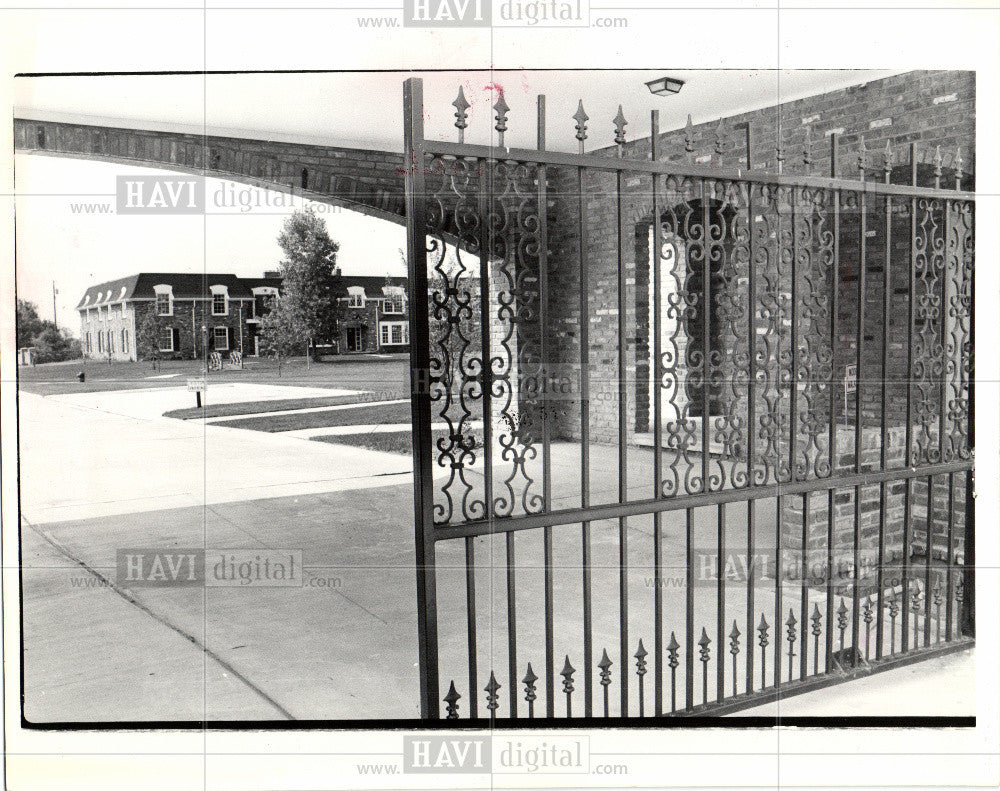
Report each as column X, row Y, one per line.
column 607, row 163
column 636, row 507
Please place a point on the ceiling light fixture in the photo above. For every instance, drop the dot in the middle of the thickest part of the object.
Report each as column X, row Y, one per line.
column 664, row 86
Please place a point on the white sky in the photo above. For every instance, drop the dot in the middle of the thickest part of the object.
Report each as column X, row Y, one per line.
column 77, row 250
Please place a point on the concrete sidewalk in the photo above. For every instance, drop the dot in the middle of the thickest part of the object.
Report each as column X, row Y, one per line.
column 943, row 686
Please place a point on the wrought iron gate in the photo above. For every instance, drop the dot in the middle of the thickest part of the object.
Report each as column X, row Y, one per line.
column 668, row 415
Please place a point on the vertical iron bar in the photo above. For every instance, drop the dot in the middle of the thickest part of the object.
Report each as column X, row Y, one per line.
column 550, row 692
column 543, row 309
column 543, row 281
column 511, row 626
column 927, row 561
column 622, row 427
column 585, row 437
column 943, row 389
column 720, row 607
column 778, row 527
column 833, row 155
column 706, row 340
column 834, row 389
column 804, row 611
column 654, row 123
column 948, row 610
column 689, row 612
column 968, row 614
column 751, row 419
column 908, row 491
column 884, row 457
column 423, row 490
column 749, row 165
column 470, row 611
column 793, row 404
column 859, row 420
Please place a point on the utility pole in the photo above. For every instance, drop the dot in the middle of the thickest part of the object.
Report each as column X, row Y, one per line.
column 55, row 317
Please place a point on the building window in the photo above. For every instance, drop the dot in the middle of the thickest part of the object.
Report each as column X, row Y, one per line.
column 111, row 342
column 219, row 305
column 356, row 301
column 221, row 339
column 394, row 303
column 90, row 345
column 394, row 333
column 163, row 305
column 125, row 341
column 167, row 339
column 100, row 342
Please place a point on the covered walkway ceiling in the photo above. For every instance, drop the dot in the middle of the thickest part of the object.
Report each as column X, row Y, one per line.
column 364, row 109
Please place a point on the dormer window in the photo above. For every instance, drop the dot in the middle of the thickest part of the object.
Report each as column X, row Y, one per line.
column 355, row 297
column 164, row 300
column 394, row 301
column 220, row 300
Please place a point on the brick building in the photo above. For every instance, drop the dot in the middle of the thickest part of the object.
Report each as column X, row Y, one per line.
column 190, row 311
column 373, row 315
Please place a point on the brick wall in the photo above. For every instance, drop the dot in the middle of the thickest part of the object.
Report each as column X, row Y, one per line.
column 188, row 318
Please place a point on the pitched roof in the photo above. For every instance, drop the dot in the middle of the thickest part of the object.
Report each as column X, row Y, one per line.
column 372, row 284
column 185, row 286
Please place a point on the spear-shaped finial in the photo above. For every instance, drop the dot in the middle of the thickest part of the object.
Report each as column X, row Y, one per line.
column 807, row 149
column 862, row 158
column 501, row 126
column 887, row 161
column 937, row 166
column 779, row 155
column 452, row 700
column 581, row 118
column 492, row 697
column 640, row 659
column 689, row 135
column 720, row 139
column 958, row 167
column 461, row 105
column 620, row 123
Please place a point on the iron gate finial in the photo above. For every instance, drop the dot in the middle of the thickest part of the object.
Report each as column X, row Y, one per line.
column 581, row 118
column 461, row 105
column 620, row 123
column 502, row 109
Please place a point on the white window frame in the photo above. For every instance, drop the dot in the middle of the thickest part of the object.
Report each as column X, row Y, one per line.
column 161, row 291
column 355, row 297
column 160, row 346
column 388, row 331
column 215, row 338
column 225, row 305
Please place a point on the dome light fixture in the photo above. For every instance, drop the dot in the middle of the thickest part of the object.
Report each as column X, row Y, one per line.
column 665, row 86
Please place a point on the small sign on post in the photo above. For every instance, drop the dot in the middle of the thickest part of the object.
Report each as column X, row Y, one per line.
column 850, row 383
column 197, row 386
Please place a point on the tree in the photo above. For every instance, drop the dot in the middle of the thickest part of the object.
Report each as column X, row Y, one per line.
column 54, row 345
column 307, row 311
column 29, row 324
column 51, row 343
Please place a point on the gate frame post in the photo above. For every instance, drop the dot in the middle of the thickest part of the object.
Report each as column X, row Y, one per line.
column 420, row 405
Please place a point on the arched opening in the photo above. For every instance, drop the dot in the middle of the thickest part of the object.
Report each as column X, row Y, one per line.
column 304, row 182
